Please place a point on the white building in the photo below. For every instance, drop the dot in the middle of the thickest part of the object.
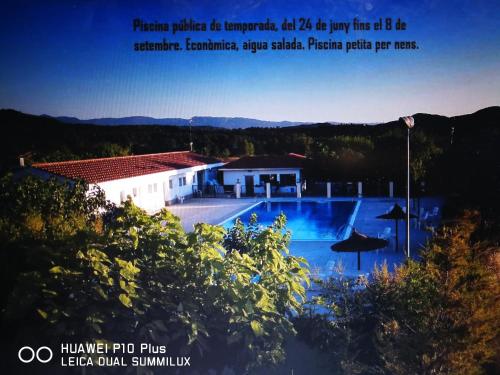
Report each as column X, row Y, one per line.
column 253, row 172
column 152, row 181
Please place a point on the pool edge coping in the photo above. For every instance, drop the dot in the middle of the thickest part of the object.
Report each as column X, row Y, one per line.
column 239, row 213
column 350, row 224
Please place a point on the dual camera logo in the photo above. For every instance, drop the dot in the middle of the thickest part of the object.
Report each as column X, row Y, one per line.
column 27, row 354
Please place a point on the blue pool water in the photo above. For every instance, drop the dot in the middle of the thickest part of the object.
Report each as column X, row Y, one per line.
column 307, row 220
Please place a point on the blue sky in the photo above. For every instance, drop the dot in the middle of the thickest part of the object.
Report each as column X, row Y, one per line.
column 76, row 58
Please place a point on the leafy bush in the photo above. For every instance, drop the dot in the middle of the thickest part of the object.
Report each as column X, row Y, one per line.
column 40, row 218
column 48, row 210
column 437, row 316
column 143, row 279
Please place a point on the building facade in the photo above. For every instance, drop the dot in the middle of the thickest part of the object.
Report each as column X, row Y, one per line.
column 151, row 181
column 283, row 172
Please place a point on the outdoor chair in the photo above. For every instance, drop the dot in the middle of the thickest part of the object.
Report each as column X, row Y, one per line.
column 197, row 193
column 225, row 192
column 386, row 234
column 422, row 212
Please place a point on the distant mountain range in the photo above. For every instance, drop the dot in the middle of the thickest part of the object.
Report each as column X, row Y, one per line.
column 486, row 114
column 220, row 122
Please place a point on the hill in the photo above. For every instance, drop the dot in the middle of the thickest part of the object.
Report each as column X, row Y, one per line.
column 221, row 122
column 455, row 156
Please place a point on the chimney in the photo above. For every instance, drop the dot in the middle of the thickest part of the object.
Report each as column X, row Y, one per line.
column 21, row 162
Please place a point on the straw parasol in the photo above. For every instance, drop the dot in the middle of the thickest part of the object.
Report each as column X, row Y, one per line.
column 358, row 242
column 396, row 214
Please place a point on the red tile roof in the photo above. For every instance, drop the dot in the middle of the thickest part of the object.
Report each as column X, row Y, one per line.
column 107, row 169
column 268, row 162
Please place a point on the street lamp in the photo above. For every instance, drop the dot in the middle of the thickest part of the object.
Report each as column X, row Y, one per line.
column 190, row 135
column 410, row 123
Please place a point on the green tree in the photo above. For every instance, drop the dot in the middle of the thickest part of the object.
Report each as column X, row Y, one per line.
column 436, row 316
column 424, row 153
column 38, row 218
column 49, row 210
column 143, row 279
column 249, row 148
column 108, row 149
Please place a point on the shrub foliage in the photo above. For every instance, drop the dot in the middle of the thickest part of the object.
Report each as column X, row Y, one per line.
column 142, row 278
column 436, row 316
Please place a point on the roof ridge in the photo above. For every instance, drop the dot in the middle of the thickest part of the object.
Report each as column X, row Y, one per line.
column 109, row 158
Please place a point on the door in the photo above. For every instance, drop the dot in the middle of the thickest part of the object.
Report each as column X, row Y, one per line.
column 200, row 179
column 249, row 186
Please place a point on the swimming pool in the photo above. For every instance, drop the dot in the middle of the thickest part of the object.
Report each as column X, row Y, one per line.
column 307, row 220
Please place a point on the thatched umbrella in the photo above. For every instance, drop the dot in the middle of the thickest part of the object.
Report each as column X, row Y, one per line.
column 396, row 214
column 358, row 242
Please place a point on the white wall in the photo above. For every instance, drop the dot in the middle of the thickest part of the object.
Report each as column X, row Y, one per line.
column 153, row 200
column 231, row 176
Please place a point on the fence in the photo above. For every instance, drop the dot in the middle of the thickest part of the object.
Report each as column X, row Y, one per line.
column 212, row 191
column 368, row 188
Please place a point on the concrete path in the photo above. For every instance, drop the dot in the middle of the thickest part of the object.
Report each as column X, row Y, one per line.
column 208, row 210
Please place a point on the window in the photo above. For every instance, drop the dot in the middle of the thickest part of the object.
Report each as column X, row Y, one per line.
column 287, row 179
column 184, row 181
column 180, row 181
column 272, row 178
column 194, row 178
column 170, row 184
column 152, row 188
column 135, row 192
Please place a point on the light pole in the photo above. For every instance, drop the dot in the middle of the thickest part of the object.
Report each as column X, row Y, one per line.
column 410, row 123
column 190, row 135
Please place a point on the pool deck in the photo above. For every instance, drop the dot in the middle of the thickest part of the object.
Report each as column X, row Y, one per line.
column 322, row 261
column 209, row 210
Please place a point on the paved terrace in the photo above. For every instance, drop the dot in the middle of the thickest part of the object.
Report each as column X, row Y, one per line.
column 209, row 210
column 322, row 260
